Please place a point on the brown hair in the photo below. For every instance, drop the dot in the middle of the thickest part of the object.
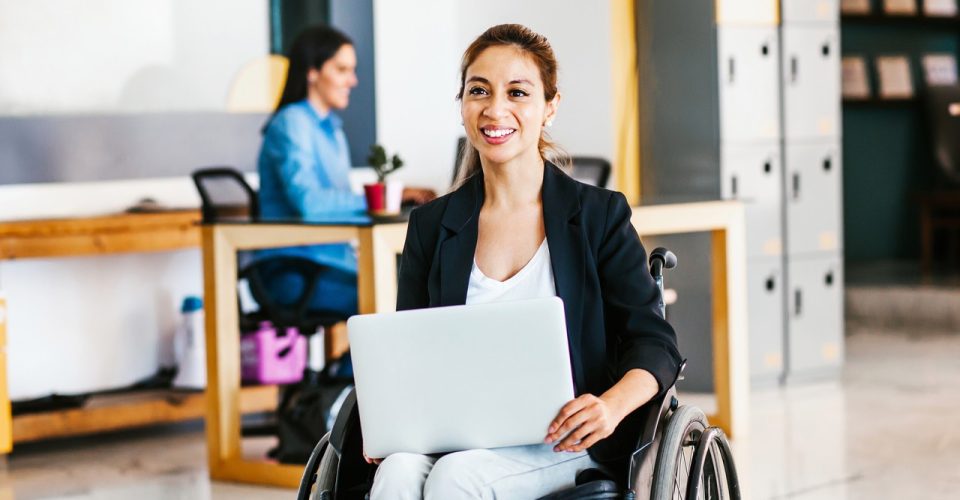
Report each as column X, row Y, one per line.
column 538, row 49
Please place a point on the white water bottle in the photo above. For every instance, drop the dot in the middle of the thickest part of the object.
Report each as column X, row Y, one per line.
column 189, row 346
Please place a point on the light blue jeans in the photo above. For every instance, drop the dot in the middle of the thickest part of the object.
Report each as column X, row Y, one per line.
column 522, row 472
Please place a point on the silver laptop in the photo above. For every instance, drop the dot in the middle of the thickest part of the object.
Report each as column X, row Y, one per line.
column 461, row 377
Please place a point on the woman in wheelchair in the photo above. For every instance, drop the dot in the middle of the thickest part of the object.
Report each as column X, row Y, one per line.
column 518, row 227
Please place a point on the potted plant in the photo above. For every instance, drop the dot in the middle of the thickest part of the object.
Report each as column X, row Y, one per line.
column 383, row 198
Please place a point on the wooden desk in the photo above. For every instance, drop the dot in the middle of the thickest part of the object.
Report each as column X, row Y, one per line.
column 731, row 363
column 103, row 235
column 377, row 287
column 377, row 274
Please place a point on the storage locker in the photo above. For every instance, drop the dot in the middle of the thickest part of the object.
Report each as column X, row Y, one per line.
column 811, row 82
column 810, row 11
column 749, row 92
column 812, row 178
column 814, row 316
column 753, row 175
column 765, row 285
column 754, row 12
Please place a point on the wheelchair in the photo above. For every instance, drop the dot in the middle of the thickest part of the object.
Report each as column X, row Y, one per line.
column 678, row 455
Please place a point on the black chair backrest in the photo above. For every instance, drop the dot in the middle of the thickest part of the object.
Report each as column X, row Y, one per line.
column 943, row 110
column 590, row 170
column 225, row 195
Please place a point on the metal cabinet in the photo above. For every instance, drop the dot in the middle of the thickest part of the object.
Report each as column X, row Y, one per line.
column 756, row 12
column 811, row 82
column 749, row 93
column 765, row 284
column 810, row 11
column 753, row 175
column 813, row 198
column 814, row 316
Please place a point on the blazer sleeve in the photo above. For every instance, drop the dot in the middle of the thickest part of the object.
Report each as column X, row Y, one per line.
column 631, row 300
column 414, row 269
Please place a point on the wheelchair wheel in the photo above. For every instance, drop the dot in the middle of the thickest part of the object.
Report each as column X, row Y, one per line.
column 326, row 475
column 712, row 473
column 675, row 457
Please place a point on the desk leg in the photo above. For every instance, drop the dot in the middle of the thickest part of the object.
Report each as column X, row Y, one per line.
column 223, row 350
column 730, row 359
column 224, row 454
column 6, row 418
column 377, row 273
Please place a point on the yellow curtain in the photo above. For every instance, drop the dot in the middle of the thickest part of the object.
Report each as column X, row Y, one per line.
column 626, row 111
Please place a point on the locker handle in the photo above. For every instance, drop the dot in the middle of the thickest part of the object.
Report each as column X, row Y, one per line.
column 770, row 284
column 733, row 185
column 731, row 69
column 797, row 302
column 828, row 278
column 793, row 69
column 827, row 163
column 825, row 49
column 796, row 185
column 767, row 167
column 764, row 50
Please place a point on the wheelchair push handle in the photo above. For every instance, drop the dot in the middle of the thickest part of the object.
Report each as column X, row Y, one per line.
column 660, row 259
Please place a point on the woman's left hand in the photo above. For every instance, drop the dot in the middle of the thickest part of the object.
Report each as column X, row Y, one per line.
column 590, row 419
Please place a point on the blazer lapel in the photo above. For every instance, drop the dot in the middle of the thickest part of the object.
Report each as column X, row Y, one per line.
column 561, row 209
column 460, row 221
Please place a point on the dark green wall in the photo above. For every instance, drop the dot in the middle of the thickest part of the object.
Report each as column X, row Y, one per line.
column 886, row 152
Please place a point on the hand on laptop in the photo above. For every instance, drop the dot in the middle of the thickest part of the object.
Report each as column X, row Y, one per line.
column 583, row 421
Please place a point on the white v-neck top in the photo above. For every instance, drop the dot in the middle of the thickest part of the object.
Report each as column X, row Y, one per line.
column 533, row 281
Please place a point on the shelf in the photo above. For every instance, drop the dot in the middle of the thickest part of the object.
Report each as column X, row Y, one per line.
column 902, row 21
column 120, row 233
column 128, row 410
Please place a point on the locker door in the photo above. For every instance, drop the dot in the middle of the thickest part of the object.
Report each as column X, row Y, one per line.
column 815, row 316
column 749, row 90
column 755, row 12
column 765, row 302
column 753, row 175
column 811, row 82
column 813, row 198
column 810, row 11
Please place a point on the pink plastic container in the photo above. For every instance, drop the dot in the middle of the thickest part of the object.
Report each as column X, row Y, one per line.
column 267, row 357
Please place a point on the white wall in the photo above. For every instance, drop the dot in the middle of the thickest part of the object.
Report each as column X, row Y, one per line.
column 417, row 55
column 418, row 48
column 96, row 56
column 92, row 323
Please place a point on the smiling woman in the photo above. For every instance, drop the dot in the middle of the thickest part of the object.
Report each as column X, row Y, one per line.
column 519, row 228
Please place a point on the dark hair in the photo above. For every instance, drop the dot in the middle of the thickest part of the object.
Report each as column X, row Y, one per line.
column 313, row 47
column 538, row 49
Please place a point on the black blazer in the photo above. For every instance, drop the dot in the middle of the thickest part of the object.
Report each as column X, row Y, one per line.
column 610, row 300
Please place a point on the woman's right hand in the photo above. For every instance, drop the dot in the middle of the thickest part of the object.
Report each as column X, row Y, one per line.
column 372, row 461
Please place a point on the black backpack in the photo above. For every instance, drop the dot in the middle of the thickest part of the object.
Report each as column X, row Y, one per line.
column 309, row 408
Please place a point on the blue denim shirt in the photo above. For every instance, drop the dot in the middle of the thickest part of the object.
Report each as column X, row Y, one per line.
column 304, row 167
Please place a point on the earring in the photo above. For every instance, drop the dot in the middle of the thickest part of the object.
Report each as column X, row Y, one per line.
column 548, row 124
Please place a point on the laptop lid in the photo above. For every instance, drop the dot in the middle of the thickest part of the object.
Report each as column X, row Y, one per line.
column 461, row 377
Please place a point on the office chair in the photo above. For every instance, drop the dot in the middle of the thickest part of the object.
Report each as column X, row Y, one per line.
column 590, row 170
column 226, row 197
column 940, row 208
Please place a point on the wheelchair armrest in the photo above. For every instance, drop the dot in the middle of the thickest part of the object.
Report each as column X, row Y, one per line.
column 348, row 419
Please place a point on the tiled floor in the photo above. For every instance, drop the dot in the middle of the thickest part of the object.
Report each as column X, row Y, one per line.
column 887, row 430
